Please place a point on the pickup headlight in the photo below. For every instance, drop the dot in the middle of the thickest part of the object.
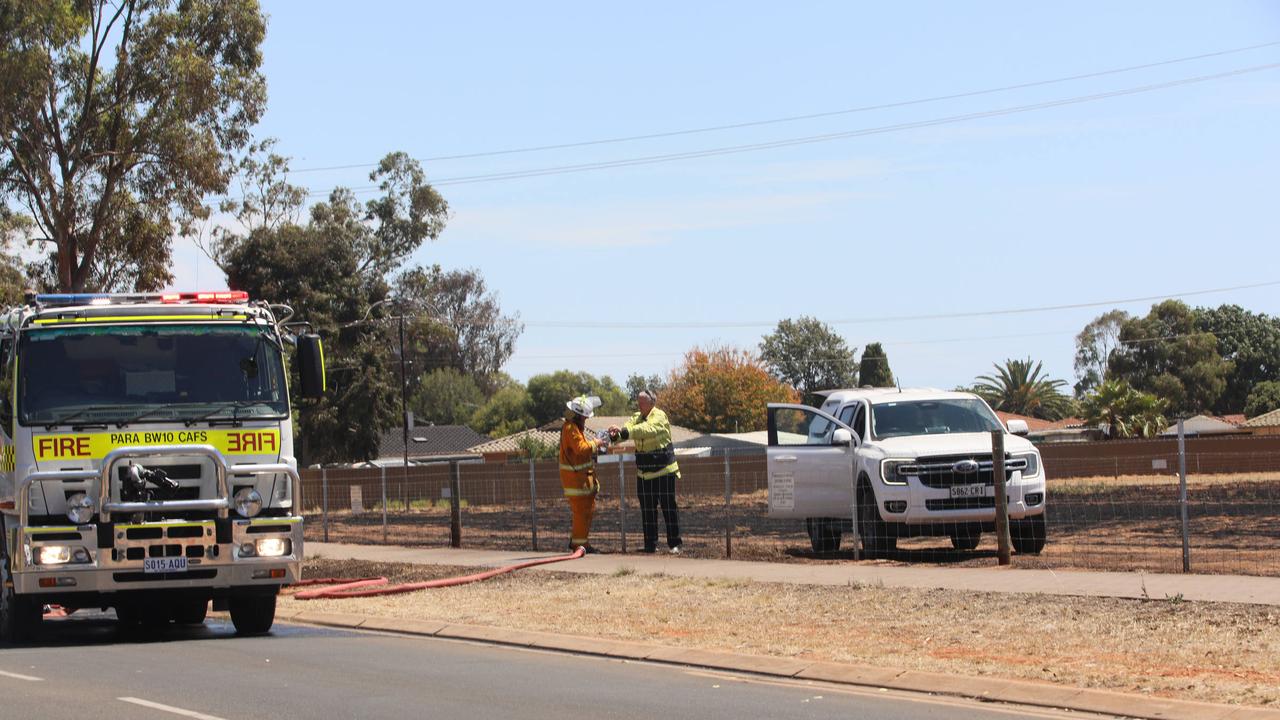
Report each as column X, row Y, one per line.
column 1033, row 465
column 889, row 471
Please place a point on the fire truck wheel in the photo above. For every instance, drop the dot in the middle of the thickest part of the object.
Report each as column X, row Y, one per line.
column 128, row 614
column 190, row 612
column 19, row 616
column 252, row 614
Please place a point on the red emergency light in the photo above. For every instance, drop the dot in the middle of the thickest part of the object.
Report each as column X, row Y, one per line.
column 224, row 296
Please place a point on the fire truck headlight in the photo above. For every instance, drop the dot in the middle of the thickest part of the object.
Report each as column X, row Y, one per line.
column 248, row 502
column 273, row 547
column 79, row 508
column 54, row 554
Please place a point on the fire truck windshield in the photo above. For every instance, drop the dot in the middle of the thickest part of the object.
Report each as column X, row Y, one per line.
column 149, row 373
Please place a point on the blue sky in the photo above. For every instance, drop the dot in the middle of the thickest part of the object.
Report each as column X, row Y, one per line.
column 1143, row 195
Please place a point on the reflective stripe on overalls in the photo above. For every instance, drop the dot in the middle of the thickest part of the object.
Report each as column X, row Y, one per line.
column 673, row 467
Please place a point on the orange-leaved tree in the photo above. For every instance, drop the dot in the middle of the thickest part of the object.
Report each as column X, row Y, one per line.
column 722, row 389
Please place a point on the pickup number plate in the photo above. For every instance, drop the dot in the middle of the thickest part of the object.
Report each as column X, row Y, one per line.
column 164, row 565
column 971, row 491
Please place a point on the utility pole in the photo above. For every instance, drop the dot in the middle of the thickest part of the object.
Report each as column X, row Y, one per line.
column 1002, row 499
column 404, row 406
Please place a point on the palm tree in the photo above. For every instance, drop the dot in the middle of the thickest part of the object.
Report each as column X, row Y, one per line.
column 1124, row 412
column 1021, row 387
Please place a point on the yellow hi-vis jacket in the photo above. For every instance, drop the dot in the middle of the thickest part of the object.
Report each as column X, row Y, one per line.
column 577, row 466
column 655, row 455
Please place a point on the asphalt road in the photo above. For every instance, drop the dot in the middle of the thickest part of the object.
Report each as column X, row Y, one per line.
column 84, row 668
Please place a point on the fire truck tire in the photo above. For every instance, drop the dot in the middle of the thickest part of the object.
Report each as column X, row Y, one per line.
column 191, row 612
column 128, row 614
column 20, row 617
column 252, row 614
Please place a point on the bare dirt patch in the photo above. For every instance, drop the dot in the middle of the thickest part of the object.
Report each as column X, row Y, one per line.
column 1169, row 648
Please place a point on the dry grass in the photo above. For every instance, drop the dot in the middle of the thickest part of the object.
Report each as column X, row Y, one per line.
column 1166, row 647
column 1097, row 482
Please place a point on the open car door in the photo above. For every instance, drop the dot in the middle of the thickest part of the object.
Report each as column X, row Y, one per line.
column 810, row 462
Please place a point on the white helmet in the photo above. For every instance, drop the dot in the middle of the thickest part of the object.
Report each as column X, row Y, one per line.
column 584, row 405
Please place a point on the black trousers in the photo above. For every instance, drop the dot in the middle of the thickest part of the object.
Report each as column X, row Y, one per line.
column 654, row 493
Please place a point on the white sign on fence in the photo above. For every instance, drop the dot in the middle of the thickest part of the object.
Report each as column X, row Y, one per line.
column 1159, row 464
column 357, row 500
column 782, row 492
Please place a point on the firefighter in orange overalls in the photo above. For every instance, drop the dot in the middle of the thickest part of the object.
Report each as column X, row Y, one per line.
column 577, row 468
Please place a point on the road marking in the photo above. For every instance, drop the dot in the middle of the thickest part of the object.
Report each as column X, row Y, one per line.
column 169, row 708
column 17, row 676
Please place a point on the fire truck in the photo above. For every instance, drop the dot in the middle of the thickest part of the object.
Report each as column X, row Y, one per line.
column 146, row 457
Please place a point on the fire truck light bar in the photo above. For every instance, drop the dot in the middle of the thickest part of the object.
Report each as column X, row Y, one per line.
column 223, row 296
column 216, row 297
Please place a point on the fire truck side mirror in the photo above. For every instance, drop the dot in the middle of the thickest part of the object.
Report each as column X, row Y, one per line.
column 311, row 365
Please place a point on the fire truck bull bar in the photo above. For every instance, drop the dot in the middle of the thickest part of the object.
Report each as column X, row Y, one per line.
column 105, row 507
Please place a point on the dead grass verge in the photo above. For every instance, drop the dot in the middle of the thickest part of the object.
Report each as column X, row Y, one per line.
column 1167, row 647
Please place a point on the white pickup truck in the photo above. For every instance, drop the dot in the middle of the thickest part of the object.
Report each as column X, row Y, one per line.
column 905, row 463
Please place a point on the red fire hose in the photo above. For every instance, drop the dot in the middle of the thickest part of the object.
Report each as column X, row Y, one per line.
column 369, row 587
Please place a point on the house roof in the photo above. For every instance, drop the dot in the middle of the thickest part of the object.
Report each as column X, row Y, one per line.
column 1271, row 419
column 1033, row 423
column 1202, row 425
column 550, row 434
column 725, row 441
column 510, row 443
column 428, row 440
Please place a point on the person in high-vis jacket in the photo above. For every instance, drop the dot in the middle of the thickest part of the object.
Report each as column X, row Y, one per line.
column 656, row 470
column 577, row 468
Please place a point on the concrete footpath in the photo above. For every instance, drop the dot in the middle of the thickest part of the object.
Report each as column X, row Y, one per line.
column 1203, row 588
column 1154, row 586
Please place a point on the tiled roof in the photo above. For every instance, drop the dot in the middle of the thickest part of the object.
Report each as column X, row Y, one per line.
column 550, row 434
column 428, row 440
column 509, row 444
column 1201, row 425
column 1033, row 423
column 1070, row 423
column 1271, row 419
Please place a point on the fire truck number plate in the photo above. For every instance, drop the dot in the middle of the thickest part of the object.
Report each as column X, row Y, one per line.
column 164, row 565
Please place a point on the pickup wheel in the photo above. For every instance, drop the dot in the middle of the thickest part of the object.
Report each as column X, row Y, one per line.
column 1028, row 536
column 252, row 614
column 20, row 617
column 824, row 535
column 876, row 540
column 965, row 540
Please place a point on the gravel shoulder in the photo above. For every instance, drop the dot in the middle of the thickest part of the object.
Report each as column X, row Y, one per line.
column 1226, row 653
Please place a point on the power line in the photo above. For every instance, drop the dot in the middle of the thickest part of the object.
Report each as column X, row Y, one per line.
column 827, row 137
column 812, row 116
column 832, row 359
column 890, row 318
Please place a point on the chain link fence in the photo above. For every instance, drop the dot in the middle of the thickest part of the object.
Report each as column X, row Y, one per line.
column 1112, row 506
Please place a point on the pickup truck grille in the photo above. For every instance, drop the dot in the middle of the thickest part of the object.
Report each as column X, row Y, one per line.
column 947, row 470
